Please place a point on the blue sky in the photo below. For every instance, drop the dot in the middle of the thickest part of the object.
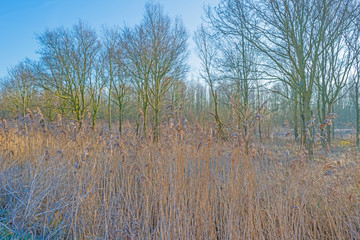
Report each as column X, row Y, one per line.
column 21, row 19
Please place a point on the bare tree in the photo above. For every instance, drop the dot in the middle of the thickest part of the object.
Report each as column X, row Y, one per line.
column 120, row 90
column 291, row 35
column 111, row 41
column 334, row 69
column 96, row 89
column 138, row 66
column 353, row 42
column 66, row 66
column 20, row 88
column 155, row 53
column 207, row 52
column 239, row 75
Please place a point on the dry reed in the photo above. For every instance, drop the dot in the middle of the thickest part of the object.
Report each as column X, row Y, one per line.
column 61, row 183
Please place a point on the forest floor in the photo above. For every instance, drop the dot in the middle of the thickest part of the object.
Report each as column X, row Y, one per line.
column 57, row 182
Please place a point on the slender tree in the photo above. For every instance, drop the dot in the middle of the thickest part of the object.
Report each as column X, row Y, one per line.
column 111, row 39
column 353, row 42
column 155, row 53
column 20, row 88
column 334, row 70
column 207, row 52
column 68, row 58
column 96, row 90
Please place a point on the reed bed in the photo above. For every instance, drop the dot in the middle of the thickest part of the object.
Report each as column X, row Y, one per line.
column 57, row 182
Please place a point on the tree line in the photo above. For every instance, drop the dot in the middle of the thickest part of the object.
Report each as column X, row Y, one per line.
column 263, row 64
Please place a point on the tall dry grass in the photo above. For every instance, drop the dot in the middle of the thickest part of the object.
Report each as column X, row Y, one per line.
column 60, row 183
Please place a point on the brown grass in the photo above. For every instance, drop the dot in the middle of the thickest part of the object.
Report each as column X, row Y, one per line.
column 58, row 183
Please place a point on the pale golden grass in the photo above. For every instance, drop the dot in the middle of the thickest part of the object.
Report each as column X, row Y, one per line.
column 60, row 184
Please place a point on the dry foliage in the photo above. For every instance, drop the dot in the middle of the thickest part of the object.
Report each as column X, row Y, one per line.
column 61, row 183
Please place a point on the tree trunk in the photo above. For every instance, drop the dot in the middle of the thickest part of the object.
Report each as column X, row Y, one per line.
column 78, row 117
column 93, row 122
column 357, row 110
column 296, row 123
column 303, row 123
column 217, row 117
column 145, row 108
column 306, row 116
column 120, row 118
column 156, row 125
column 324, row 112
column 109, row 105
column 24, row 114
column 259, row 106
column 328, row 134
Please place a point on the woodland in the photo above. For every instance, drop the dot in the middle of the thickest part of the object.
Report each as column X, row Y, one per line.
column 113, row 134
